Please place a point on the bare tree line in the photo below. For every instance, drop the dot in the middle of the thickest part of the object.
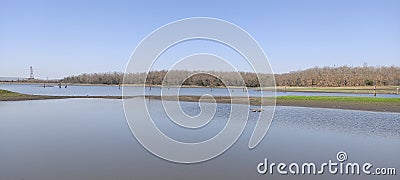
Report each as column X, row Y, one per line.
column 174, row 78
column 341, row 76
column 95, row 78
column 317, row 76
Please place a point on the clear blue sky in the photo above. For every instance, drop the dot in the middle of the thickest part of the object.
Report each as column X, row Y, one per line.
column 60, row 38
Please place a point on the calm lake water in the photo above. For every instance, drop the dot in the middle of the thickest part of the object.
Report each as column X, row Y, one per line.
column 36, row 89
column 84, row 139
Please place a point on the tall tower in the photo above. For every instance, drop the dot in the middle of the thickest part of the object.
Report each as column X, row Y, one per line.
column 31, row 73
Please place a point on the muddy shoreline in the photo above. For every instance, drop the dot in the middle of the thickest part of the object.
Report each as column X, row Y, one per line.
column 256, row 101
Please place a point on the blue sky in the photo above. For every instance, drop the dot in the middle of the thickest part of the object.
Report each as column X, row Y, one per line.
column 60, row 38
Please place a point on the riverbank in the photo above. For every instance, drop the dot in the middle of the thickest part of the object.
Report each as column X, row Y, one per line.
column 332, row 102
column 351, row 103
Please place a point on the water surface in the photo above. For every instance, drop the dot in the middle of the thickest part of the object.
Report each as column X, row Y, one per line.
column 89, row 139
column 93, row 90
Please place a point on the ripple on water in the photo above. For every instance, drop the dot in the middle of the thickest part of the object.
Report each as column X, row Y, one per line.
column 345, row 121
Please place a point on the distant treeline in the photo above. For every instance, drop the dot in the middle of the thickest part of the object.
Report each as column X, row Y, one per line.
column 341, row 76
column 325, row 76
column 174, row 78
column 95, row 78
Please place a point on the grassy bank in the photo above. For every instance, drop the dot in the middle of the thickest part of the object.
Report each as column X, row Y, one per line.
column 9, row 94
column 13, row 96
column 352, row 103
column 342, row 99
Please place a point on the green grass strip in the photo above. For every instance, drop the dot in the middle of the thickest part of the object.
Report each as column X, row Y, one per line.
column 342, row 99
column 9, row 93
